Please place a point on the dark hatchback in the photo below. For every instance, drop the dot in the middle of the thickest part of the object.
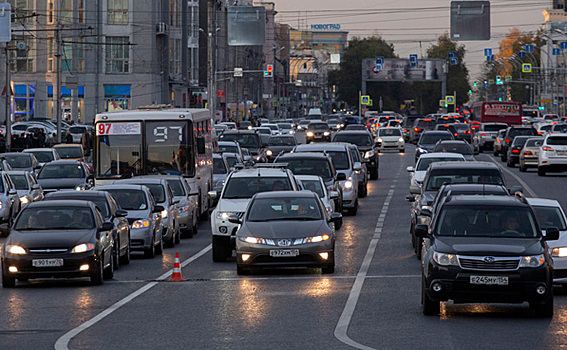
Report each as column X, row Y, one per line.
column 509, row 136
column 247, row 139
column 279, row 145
column 515, row 149
column 61, row 175
column 486, row 249
column 63, row 239
column 429, row 139
column 363, row 140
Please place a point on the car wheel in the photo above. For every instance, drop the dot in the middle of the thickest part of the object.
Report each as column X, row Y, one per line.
column 353, row 211
column 339, row 224
column 495, row 152
column 430, row 307
column 545, row 309
column 509, row 163
column 109, row 271
column 8, row 282
column 125, row 259
column 374, row 174
column 328, row 269
column 503, row 157
column 178, row 237
column 97, row 277
column 221, row 250
column 522, row 168
column 242, row 271
column 116, row 255
column 151, row 251
column 412, row 234
column 170, row 243
column 403, row 150
column 541, row 171
column 418, row 246
column 159, row 248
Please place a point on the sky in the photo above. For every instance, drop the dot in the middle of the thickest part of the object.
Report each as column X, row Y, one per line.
column 412, row 25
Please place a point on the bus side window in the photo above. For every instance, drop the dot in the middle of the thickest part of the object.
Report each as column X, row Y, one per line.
column 200, row 145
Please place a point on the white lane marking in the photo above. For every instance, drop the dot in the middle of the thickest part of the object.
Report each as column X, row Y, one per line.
column 63, row 342
column 341, row 329
column 526, row 187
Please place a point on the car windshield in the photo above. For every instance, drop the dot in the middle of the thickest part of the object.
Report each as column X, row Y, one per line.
column 272, row 209
column 232, row 160
column 493, row 128
column 43, row 156
column 157, row 191
column 432, row 138
column 423, row 163
column 177, row 187
column 425, row 123
column 463, row 176
column 58, row 171
column 228, row 149
column 18, row 160
column 462, row 148
column 318, row 126
column 486, row 221
column 340, row 159
column 129, row 199
column 390, row 132
column 314, row 186
column 55, row 218
column 284, row 126
column 550, row 217
column 361, row 140
column 534, row 143
column 245, row 140
column 281, row 141
column 20, row 182
column 70, row 152
column 319, row 167
column 246, row 187
column 219, row 167
column 557, row 141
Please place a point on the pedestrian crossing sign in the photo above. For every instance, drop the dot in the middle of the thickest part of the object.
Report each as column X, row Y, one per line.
column 365, row 100
column 526, row 68
column 450, row 100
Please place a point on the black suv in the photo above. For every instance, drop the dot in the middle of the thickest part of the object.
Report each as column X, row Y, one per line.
column 249, row 140
column 429, row 139
column 486, row 249
column 318, row 132
column 363, row 140
column 509, row 136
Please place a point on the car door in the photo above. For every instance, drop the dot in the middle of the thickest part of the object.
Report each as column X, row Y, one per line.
column 363, row 173
column 12, row 194
column 106, row 240
column 174, row 210
column 120, row 223
column 36, row 192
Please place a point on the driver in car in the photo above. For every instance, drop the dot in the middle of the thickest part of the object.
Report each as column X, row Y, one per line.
column 510, row 223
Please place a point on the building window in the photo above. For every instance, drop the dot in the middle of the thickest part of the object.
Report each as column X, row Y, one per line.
column 175, row 13
column 67, row 50
column 50, row 11
column 174, row 57
column 117, row 12
column 117, row 54
column 117, row 97
column 22, row 60
column 66, row 13
column 50, row 54
column 22, row 11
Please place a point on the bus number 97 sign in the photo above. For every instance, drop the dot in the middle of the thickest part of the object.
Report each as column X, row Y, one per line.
column 103, row 129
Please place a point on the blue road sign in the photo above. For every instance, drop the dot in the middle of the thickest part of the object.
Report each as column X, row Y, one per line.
column 378, row 67
column 488, row 52
column 365, row 100
column 452, row 54
column 564, row 45
column 490, row 58
column 413, row 64
column 556, row 51
column 454, row 61
column 529, row 48
column 522, row 54
column 379, row 60
column 486, row 84
column 413, row 58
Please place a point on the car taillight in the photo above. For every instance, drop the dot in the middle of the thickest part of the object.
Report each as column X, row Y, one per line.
column 497, row 140
column 417, row 129
column 539, row 132
column 528, row 153
column 468, row 131
column 516, row 151
column 483, row 134
column 406, row 130
column 507, row 140
column 456, row 134
column 547, row 148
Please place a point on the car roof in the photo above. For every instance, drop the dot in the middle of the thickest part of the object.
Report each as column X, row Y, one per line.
column 353, row 132
column 17, row 154
column 17, row 172
column 309, row 177
column 439, row 132
column 61, row 203
column 464, row 165
column 121, row 186
column 38, row 150
column 63, row 145
column 322, row 146
column 304, row 155
column 63, row 161
column 485, row 200
column 477, row 188
column 231, row 142
column 452, row 142
column 88, row 194
column 248, row 132
column 284, row 194
column 148, row 179
column 442, row 154
column 543, row 202
column 261, row 172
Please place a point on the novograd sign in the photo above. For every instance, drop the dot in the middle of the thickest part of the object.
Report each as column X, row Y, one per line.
column 325, row 27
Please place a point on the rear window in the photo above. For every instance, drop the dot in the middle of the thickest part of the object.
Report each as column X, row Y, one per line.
column 431, row 139
column 463, row 176
column 425, row 123
column 355, row 139
column 557, row 140
column 534, row 143
column 517, row 132
column 462, row 148
column 519, row 141
column 493, row 128
column 559, row 128
column 462, row 126
column 228, row 149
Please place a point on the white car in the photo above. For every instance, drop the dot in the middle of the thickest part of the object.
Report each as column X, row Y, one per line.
column 543, row 128
column 286, row 129
column 43, row 155
column 549, row 213
column 274, row 128
column 553, row 154
column 418, row 173
column 390, row 138
column 316, row 184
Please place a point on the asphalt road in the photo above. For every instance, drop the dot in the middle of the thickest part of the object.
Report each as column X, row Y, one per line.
column 372, row 301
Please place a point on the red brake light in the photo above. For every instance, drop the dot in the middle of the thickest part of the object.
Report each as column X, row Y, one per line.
column 468, row 131
column 516, row 151
column 539, row 132
column 417, row 129
column 547, row 148
column 456, row 134
column 528, row 153
column 426, row 120
column 445, row 126
column 483, row 134
column 507, row 140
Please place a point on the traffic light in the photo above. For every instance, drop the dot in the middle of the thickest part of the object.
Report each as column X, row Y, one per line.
column 474, row 84
column 269, row 72
column 499, row 80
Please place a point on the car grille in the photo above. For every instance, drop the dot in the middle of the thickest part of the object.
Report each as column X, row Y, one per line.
column 49, row 251
column 481, row 263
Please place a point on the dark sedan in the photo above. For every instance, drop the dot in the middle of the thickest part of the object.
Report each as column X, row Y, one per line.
column 279, row 145
column 63, row 175
column 63, row 239
column 285, row 229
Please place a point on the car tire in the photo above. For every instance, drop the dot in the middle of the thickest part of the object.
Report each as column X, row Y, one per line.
column 159, row 248
column 126, row 258
column 418, row 246
column 353, row 211
column 221, row 251
column 339, row 224
column 544, row 310
column 116, row 255
column 242, row 271
column 151, row 251
column 178, row 237
column 374, row 174
column 8, row 282
column 522, row 168
column 503, row 157
column 412, row 235
column 364, row 190
column 430, row 307
column 97, row 277
column 403, row 150
column 328, row 269
column 108, row 273
column 495, row 152
column 541, row 171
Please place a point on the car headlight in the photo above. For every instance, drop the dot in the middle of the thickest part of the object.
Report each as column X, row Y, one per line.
column 141, row 224
column 291, row 132
column 326, row 133
column 269, row 153
column 532, row 261
column 164, row 214
column 81, row 188
column 309, row 133
column 348, row 184
column 559, row 252
column 183, row 209
column 422, row 150
column 380, row 140
column 317, row 239
column 401, row 140
column 444, row 259
column 250, row 127
column 25, row 199
column 223, row 215
column 369, row 154
column 15, row 249
column 82, row 248
column 252, row 240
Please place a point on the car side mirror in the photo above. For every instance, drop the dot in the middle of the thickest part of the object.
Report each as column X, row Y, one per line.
column 90, row 178
column 551, row 233
column 410, row 169
column 410, row 198
column 106, row 226
column 335, row 217
column 414, row 189
column 334, row 195
column 12, row 192
column 213, row 194
column 120, row 213
column 515, row 189
column 421, row 231
column 158, row 209
column 341, row 177
column 175, row 201
column 357, row 166
column 234, row 219
column 425, row 212
column 36, row 187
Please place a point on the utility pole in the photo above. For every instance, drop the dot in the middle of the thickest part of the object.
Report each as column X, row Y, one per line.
column 8, row 100
column 211, row 86
column 57, row 89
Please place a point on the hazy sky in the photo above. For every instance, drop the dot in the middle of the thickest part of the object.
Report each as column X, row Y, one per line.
column 406, row 23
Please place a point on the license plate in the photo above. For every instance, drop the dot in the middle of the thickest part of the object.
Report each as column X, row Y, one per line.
column 489, row 280
column 284, row 253
column 562, row 153
column 47, row 262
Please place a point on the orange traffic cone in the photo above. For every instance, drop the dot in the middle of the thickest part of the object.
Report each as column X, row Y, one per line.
column 176, row 275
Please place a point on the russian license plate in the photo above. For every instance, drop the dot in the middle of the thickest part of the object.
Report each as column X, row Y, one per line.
column 489, row 280
column 284, row 252
column 562, row 153
column 47, row 262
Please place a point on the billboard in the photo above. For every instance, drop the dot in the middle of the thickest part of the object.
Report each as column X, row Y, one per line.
column 470, row 20
column 401, row 69
column 246, row 25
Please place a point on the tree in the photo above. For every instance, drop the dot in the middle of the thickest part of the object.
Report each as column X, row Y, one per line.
column 348, row 78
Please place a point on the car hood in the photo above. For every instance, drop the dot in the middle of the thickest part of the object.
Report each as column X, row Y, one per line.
column 469, row 157
column 426, row 147
column 137, row 214
column 277, row 149
column 489, row 246
column 233, row 205
column 60, row 183
column 51, row 238
column 284, row 229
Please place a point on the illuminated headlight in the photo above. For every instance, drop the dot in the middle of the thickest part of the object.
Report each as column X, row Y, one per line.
column 342, row 125
column 1, row 205
column 183, row 209
column 369, row 154
column 81, row 188
column 82, row 248
column 401, row 140
column 223, row 215
column 559, row 252
column 252, row 240
column 380, row 140
column 164, row 214
column 269, row 153
column 15, row 249
column 422, row 150
column 532, row 261
column 348, row 184
column 444, row 259
column 140, row 224
column 317, row 239
column 25, row 199
column 291, row 132
column 326, row 133
column 309, row 133
column 249, row 127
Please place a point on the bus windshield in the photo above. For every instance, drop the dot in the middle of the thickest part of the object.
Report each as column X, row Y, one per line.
column 169, row 148
column 119, row 155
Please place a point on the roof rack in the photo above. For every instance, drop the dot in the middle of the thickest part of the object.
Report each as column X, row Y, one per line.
column 271, row 165
column 155, row 107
